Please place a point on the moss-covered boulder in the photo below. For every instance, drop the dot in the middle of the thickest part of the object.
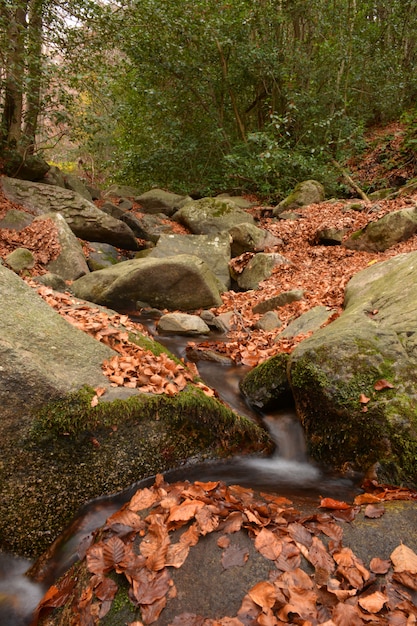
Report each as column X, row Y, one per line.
column 354, row 381
column 211, row 215
column 266, row 385
column 386, row 232
column 305, row 193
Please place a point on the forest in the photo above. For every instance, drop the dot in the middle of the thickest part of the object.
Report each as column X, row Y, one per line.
column 205, row 96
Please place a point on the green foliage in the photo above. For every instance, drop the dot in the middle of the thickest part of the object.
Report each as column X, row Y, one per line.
column 200, row 97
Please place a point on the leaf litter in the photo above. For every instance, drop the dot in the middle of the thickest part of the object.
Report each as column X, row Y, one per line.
column 155, row 531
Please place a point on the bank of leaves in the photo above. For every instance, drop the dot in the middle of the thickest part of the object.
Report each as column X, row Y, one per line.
column 313, row 578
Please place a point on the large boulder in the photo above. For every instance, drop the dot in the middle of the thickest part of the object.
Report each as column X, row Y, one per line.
column 183, row 283
column 83, row 217
column 305, row 193
column 247, row 237
column 213, row 249
column 161, row 201
column 70, row 264
column 210, row 215
column 42, row 355
column 386, row 232
column 354, row 381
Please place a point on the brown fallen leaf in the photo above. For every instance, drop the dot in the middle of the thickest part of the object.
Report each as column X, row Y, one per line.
column 234, row 556
column 268, row 544
column 379, row 566
column 374, row 511
column 329, row 503
column 404, row 559
column 263, row 594
column 373, row 602
column 383, row 384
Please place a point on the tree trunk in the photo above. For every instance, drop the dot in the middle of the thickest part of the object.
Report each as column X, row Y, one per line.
column 14, row 75
column 34, row 79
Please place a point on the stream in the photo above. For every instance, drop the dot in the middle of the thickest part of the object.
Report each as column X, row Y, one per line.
column 287, row 472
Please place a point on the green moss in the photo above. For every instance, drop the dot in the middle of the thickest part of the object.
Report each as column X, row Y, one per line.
column 190, row 409
column 222, row 208
column 267, row 384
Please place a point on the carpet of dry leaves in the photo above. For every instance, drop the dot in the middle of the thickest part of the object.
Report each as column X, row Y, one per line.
column 339, row 590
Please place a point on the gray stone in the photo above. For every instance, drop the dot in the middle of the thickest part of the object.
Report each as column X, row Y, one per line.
column 76, row 184
column 83, row 217
column 286, row 297
column 20, row 259
column 258, row 269
column 269, row 321
column 209, row 215
column 310, row 321
column 16, row 220
column 213, row 249
column 53, row 281
column 247, row 237
column 41, row 354
column 182, row 324
column 329, row 236
column 160, row 201
column 70, row 264
column 333, row 374
column 305, row 193
column 102, row 255
column 386, row 232
column 183, row 283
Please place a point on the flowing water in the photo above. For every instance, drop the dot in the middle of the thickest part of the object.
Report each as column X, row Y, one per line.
column 287, row 472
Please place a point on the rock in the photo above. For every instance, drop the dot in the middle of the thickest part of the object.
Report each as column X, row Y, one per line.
column 182, row 324
column 240, row 201
column 16, row 220
column 385, row 232
column 329, row 236
column 266, row 385
column 31, row 168
column 354, row 381
column 183, row 283
column 286, row 297
column 310, row 321
column 160, row 201
column 269, row 321
column 121, row 191
column 209, row 215
column 83, row 217
column 112, row 209
column 42, row 355
column 150, row 227
column 102, row 255
column 259, row 268
column 53, row 281
column 305, row 193
column 76, row 184
column 247, row 237
column 216, row 321
column 213, row 249
column 54, row 176
column 70, row 263
column 20, row 259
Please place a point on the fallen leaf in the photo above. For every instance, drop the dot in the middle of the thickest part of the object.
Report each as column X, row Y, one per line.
column 383, row 384
column 268, row 544
column 329, row 503
column 263, row 594
column 234, row 556
column 363, row 399
column 379, row 566
column 404, row 559
column 374, row 602
column 374, row 511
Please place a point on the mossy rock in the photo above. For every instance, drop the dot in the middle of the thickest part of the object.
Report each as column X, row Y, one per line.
column 266, row 385
column 75, row 452
column 354, row 381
